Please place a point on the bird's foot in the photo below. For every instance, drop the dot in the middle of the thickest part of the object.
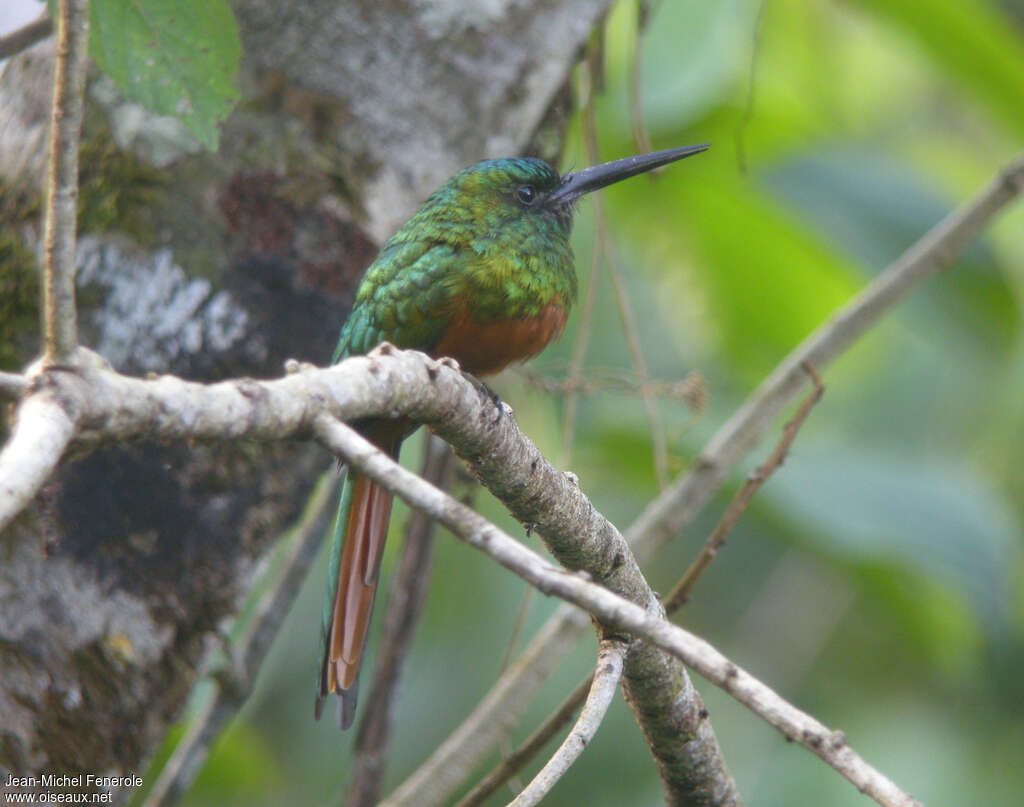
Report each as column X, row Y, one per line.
column 493, row 397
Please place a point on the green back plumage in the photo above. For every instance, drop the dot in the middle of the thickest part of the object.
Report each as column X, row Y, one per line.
column 474, row 243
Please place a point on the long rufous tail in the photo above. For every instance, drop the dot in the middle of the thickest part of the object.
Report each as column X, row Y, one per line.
column 360, row 530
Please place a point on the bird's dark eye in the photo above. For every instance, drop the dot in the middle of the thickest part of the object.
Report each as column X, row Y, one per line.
column 526, row 194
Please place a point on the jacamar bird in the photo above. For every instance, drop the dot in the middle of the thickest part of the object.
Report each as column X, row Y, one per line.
column 482, row 273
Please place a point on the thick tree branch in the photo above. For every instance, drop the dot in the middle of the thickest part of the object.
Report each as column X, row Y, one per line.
column 612, row 610
column 674, row 508
column 60, row 319
column 515, row 761
column 604, row 682
column 111, row 406
column 41, row 432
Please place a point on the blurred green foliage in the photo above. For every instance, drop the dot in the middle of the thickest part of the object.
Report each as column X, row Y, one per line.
column 175, row 58
column 876, row 581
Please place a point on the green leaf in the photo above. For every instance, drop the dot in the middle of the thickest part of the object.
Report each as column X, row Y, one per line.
column 767, row 279
column 874, row 208
column 972, row 41
column 175, row 57
column 937, row 519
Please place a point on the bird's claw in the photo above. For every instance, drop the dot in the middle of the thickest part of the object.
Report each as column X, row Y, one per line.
column 493, row 397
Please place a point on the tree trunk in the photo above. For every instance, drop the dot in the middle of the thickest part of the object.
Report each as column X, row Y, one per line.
column 116, row 583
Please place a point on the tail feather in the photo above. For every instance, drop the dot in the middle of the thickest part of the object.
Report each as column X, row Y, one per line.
column 360, row 530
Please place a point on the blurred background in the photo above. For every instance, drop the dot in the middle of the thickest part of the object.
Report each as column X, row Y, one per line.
column 876, row 581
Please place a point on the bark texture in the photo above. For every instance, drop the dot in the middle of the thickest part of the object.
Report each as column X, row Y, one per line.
column 115, row 583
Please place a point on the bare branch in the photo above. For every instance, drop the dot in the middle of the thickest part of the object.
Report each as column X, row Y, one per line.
column 666, row 516
column 629, row 329
column 612, row 610
column 12, row 385
column 579, row 353
column 41, row 432
column 586, row 316
column 25, row 37
column 458, row 756
column 409, row 586
column 247, row 654
column 406, row 383
column 748, row 106
column 530, row 747
column 689, row 390
column 636, row 85
column 681, row 591
column 605, row 681
column 673, row 602
column 59, row 316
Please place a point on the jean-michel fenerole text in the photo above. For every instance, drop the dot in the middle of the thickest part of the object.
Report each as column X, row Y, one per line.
column 83, row 780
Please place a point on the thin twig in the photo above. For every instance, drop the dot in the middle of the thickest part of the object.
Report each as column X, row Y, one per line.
column 246, row 655
column 459, row 755
column 607, row 674
column 586, row 318
column 12, row 385
column 636, row 353
column 531, row 746
column 673, row 509
column 579, row 353
column 681, row 591
column 59, row 316
column 525, row 601
column 748, row 106
column 409, row 587
column 25, row 37
column 672, row 603
column 636, row 86
column 611, row 610
column 689, row 390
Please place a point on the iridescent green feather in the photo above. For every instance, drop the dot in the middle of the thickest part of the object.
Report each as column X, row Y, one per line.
column 471, row 246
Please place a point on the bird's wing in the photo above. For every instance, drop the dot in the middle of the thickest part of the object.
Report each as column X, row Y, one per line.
column 406, row 297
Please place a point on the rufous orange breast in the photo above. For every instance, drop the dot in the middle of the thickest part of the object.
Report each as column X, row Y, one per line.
column 484, row 348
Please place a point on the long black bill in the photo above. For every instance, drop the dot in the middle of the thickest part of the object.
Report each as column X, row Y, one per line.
column 590, row 179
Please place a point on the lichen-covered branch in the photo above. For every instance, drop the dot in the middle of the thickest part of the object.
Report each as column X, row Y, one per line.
column 41, row 433
column 111, row 406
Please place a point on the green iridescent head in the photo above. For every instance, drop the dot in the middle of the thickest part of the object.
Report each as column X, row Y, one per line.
column 509, row 194
column 491, row 244
column 529, row 193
